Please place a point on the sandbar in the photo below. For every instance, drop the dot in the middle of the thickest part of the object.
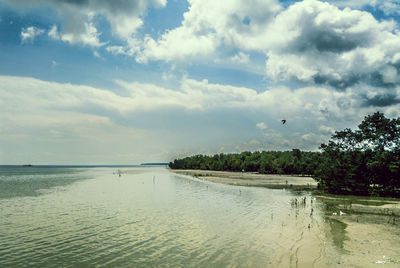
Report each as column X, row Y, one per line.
column 272, row 181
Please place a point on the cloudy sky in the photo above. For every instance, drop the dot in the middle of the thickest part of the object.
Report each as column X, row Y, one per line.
column 126, row 82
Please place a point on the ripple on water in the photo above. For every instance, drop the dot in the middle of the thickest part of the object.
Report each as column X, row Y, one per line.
column 132, row 221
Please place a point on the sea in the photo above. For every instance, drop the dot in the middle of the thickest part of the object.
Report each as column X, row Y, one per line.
column 147, row 216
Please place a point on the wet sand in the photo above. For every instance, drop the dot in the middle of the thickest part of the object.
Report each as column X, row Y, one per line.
column 371, row 241
column 252, row 179
column 366, row 229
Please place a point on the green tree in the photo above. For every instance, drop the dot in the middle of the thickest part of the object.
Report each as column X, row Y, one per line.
column 364, row 161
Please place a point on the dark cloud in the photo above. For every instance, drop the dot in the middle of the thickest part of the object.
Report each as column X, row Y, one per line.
column 377, row 79
column 330, row 41
column 115, row 6
column 341, row 84
column 327, row 39
column 381, row 100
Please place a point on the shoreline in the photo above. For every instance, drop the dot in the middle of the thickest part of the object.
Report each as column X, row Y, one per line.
column 272, row 181
column 351, row 204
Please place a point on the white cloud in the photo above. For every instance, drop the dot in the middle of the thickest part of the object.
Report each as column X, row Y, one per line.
column 89, row 36
column 67, row 116
column 240, row 58
column 311, row 41
column 120, row 50
column 24, row 95
column 28, row 94
column 326, row 130
column 79, row 18
column 389, row 7
column 355, row 3
column 316, row 42
column 177, row 45
column 209, row 24
column 30, row 33
column 167, row 76
column 347, row 63
column 53, row 33
column 261, row 125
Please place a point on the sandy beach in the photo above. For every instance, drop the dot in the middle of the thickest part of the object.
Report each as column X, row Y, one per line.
column 252, row 179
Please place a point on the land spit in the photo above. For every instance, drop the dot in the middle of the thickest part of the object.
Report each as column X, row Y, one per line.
column 272, row 181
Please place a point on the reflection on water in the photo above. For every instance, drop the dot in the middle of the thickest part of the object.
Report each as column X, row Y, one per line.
column 16, row 181
column 150, row 217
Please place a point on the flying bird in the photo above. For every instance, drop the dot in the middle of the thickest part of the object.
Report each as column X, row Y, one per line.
column 283, row 121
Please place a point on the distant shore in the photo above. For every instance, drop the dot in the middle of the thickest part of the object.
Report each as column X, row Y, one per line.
column 272, row 181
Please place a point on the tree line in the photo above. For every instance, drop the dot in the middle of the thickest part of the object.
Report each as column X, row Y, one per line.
column 365, row 161
column 289, row 162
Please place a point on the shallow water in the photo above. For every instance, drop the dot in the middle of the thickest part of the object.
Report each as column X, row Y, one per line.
column 149, row 217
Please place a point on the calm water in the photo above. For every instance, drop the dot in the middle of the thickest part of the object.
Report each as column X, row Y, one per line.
column 149, row 217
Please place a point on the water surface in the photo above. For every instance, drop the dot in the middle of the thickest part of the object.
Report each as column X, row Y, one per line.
column 149, row 217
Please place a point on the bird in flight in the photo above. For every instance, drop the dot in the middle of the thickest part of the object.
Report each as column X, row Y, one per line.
column 283, row 121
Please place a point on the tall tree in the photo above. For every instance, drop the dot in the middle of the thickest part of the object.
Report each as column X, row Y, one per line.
column 364, row 161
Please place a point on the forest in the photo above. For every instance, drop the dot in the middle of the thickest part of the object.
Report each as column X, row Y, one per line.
column 365, row 161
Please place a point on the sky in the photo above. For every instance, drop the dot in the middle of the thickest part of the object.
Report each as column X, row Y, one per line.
column 127, row 82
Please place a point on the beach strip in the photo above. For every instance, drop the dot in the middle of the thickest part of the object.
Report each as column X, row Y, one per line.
column 272, row 181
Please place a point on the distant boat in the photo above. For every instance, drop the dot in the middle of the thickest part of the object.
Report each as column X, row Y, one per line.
column 29, row 165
